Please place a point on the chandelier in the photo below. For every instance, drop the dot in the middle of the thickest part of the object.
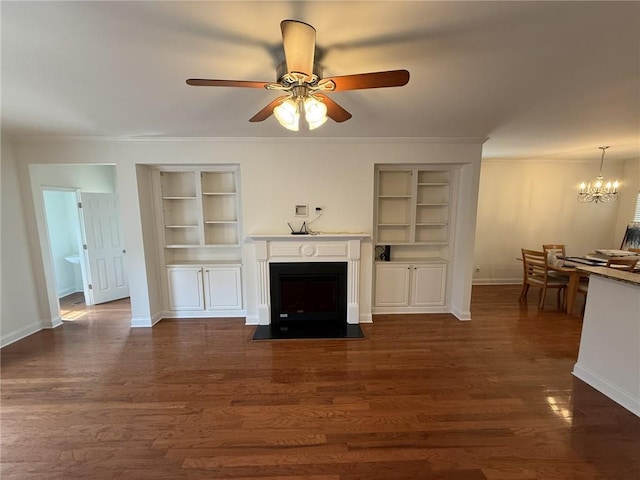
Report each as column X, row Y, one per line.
column 599, row 190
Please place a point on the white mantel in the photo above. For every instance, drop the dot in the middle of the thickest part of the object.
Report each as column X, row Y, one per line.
column 308, row 248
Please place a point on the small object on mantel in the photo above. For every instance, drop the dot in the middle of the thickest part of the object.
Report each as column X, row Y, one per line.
column 303, row 229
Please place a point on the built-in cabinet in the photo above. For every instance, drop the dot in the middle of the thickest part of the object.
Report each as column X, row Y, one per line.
column 413, row 211
column 201, row 287
column 199, row 223
column 410, row 285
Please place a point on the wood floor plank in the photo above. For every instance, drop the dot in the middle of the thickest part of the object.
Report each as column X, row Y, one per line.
column 420, row 397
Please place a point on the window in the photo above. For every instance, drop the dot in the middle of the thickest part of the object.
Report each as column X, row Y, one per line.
column 636, row 217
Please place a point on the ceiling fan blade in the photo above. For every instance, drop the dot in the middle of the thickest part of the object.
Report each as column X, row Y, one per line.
column 201, row 82
column 391, row 78
column 268, row 110
column 299, row 42
column 334, row 111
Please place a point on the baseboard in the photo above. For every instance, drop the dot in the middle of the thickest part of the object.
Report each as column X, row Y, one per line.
column 460, row 315
column 146, row 322
column 204, row 314
column 67, row 291
column 619, row 396
column 54, row 323
column 409, row 310
column 366, row 318
column 497, row 281
column 21, row 333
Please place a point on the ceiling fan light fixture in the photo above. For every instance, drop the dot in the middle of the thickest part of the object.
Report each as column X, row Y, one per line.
column 287, row 114
column 300, row 80
column 315, row 112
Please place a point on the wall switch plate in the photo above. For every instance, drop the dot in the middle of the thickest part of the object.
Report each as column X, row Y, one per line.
column 302, row 211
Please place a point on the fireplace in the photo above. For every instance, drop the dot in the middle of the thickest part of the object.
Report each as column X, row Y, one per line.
column 308, row 291
column 272, row 250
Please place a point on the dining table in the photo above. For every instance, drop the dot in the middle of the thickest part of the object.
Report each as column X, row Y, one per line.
column 568, row 268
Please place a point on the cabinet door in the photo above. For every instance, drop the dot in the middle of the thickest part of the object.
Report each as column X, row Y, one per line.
column 185, row 288
column 428, row 286
column 392, row 284
column 223, row 288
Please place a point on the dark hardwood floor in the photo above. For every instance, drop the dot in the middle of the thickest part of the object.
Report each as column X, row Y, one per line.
column 421, row 397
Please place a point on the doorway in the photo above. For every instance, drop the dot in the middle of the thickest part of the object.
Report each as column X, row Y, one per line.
column 64, row 232
column 87, row 273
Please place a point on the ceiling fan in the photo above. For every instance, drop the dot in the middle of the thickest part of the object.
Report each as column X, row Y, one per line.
column 300, row 78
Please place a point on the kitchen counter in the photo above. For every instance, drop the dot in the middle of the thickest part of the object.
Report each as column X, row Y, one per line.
column 609, row 354
column 615, row 274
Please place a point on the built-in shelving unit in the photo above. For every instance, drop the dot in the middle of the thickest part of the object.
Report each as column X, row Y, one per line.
column 413, row 211
column 220, row 208
column 180, row 209
column 200, row 227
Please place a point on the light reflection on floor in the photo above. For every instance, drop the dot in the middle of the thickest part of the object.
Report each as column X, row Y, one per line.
column 560, row 410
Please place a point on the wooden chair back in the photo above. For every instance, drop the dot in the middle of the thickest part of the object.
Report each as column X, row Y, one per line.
column 557, row 249
column 536, row 273
column 535, row 265
column 622, row 263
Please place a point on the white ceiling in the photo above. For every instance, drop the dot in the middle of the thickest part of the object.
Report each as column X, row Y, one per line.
column 540, row 79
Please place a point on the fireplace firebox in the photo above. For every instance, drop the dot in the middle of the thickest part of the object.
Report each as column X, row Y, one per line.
column 308, row 291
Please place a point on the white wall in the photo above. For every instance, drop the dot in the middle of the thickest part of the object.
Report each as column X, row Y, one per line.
column 20, row 305
column 89, row 178
column 276, row 174
column 525, row 203
column 63, row 225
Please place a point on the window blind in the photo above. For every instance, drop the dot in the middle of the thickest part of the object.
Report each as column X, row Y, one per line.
column 636, row 217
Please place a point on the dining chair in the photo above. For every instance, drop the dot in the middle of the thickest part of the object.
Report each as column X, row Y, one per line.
column 536, row 274
column 583, row 288
column 557, row 249
column 619, row 263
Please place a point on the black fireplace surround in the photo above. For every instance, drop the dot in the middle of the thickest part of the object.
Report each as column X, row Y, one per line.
column 308, row 292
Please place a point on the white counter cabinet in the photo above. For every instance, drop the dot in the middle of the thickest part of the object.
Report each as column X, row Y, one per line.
column 216, row 289
column 405, row 285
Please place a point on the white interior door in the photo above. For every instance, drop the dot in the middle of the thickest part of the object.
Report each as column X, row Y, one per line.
column 104, row 247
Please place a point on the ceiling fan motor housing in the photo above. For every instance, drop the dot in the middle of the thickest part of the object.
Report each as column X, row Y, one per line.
column 282, row 71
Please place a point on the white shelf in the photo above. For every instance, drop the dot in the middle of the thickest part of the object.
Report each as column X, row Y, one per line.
column 199, row 206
